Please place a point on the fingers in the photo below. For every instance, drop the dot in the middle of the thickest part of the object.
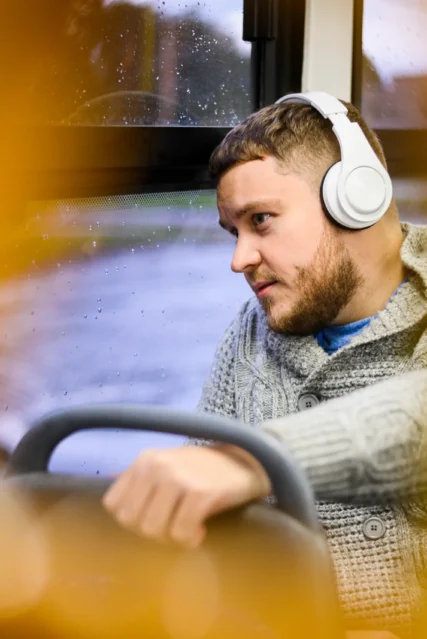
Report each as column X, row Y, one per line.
column 126, row 498
column 169, row 495
column 187, row 526
column 147, row 500
column 155, row 519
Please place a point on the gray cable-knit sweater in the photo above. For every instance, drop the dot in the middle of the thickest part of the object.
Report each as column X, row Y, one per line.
column 366, row 453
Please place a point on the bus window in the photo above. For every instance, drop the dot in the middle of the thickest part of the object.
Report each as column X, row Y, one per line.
column 115, row 299
column 128, row 62
column 393, row 93
column 394, row 74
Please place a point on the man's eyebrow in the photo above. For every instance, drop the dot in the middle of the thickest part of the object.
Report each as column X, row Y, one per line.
column 257, row 206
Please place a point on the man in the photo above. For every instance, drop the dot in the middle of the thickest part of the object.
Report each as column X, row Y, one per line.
column 338, row 315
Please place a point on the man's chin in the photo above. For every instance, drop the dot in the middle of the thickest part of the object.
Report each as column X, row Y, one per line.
column 289, row 324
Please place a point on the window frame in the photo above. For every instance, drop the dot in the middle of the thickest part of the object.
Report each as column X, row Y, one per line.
column 107, row 161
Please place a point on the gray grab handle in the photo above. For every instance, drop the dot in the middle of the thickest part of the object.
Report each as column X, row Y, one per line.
column 290, row 486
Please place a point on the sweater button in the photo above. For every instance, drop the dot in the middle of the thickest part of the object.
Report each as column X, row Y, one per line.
column 374, row 528
column 307, row 401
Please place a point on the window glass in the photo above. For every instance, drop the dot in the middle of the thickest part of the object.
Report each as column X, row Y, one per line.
column 411, row 199
column 112, row 300
column 394, row 82
column 127, row 62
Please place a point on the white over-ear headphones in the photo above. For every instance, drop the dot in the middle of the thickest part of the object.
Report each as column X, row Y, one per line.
column 356, row 191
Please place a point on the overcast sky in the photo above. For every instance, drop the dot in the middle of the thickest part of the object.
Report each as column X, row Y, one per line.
column 395, row 36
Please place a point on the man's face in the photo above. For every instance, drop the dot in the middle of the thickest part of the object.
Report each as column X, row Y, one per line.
column 292, row 256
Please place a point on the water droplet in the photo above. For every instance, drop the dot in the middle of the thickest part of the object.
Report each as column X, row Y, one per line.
column 118, row 374
column 94, row 244
column 65, row 392
column 132, row 250
column 135, row 354
column 99, row 310
column 85, row 316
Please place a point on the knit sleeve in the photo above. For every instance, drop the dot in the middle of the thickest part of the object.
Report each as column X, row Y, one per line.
column 370, row 444
column 219, row 391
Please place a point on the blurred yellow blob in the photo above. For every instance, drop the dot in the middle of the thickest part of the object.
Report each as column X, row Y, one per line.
column 258, row 575
column 97, row 588
column 24, row 571
column 183, row 585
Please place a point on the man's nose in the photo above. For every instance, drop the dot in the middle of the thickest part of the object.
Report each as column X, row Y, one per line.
column 246, row 256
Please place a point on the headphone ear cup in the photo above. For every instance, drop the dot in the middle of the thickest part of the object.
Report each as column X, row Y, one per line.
column 331, row 202
column 329, row 195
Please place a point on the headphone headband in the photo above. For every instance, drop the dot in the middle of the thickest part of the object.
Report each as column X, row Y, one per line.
column 325, row 103
column 358, row 191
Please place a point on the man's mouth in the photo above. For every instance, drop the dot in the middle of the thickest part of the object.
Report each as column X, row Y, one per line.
column 263, row 288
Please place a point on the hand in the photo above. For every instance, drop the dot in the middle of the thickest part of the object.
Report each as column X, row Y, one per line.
column 168, row 495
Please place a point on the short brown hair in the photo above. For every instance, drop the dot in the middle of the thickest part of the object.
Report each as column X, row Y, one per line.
column 297, row 135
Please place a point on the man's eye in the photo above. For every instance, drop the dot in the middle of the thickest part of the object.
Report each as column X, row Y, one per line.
column 260, row 218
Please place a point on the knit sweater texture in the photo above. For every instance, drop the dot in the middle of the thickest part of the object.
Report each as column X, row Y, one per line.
column 364, row 448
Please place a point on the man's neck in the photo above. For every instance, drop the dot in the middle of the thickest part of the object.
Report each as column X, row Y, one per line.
column 379, row 281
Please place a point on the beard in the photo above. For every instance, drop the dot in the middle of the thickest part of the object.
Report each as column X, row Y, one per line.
column 325, row 287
